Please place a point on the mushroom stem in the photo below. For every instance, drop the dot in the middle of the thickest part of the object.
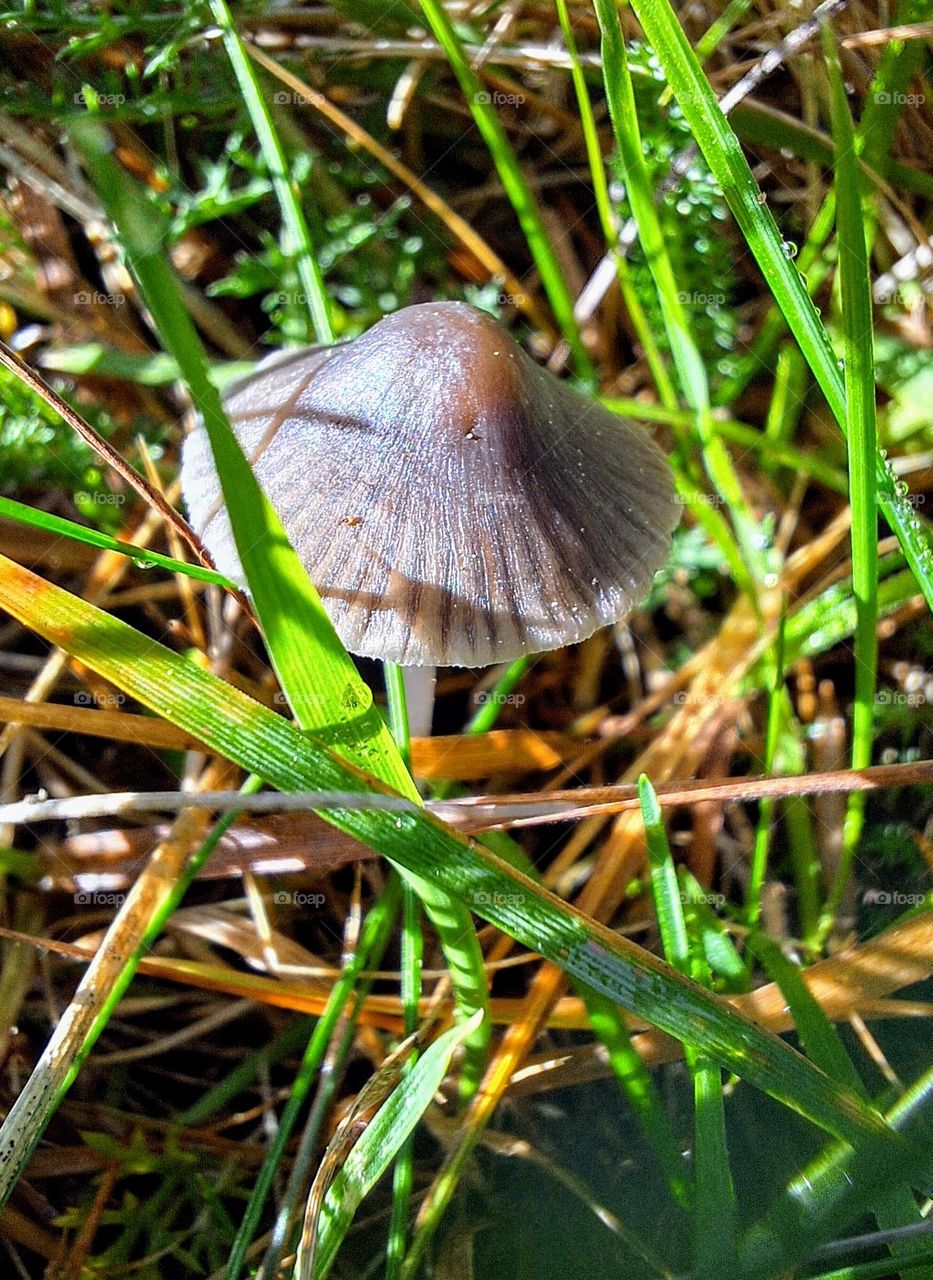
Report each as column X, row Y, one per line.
column 419, row 694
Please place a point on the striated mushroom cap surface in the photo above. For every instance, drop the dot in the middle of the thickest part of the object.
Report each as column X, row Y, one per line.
column 454, row 503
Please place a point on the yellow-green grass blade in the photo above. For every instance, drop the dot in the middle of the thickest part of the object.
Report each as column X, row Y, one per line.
column 714, row 1209
column 234, row 725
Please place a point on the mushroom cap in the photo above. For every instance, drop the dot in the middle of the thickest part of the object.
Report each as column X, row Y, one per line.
column 453, row 503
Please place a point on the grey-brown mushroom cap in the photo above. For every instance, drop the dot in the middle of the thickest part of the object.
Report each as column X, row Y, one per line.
column 453, row 503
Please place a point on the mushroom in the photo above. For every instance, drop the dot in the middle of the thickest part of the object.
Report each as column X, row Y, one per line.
column 454, row 503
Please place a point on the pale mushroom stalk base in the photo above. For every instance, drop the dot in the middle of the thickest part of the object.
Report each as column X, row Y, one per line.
column 420, row 683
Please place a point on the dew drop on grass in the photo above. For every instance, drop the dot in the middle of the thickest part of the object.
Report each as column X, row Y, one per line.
column 144, row 564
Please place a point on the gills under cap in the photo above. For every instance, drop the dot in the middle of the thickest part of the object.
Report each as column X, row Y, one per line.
column 453, row 503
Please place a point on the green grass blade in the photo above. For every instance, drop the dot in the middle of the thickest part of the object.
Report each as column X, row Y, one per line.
column 817, row 1033
column 141, row 556
column 714, row 1207
column 724, row 156
column 855, row 288
column 607, row 218
column 687, row 359
column 412, row 950
column 381, row 1139
column 759, row 863
column 664, row 886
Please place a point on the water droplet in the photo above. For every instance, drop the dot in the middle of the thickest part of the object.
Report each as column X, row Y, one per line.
column 790, row 249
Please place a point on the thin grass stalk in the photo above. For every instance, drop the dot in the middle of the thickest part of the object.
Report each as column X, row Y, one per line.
column 298, row 244
column 863, row 447
column 374, row 936
column 513, row 180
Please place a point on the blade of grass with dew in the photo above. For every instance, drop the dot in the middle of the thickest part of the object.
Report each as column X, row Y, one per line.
column 297, row 236
column 379, row 1142
column 324, row 689
column 374, row 936
column 687, row 359
column 607, row 218
column 855, row 288
column 233, row 725
column 58, row 525
column 723, row 154
column 875, row 131
column 714, row 1208
column 513, row 180
column 686, row 472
